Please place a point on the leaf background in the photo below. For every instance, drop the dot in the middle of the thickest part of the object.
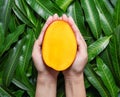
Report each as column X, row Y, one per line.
column 21, row 22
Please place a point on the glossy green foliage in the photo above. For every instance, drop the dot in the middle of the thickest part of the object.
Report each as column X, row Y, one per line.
column 21, row 22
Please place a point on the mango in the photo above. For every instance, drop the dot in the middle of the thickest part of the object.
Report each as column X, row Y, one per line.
column 59, row 45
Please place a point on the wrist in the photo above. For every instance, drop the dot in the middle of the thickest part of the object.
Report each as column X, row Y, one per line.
column 46, row 77
column 74, row 77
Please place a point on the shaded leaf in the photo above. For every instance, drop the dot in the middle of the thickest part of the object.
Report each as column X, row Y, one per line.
column 4, row 93
column 44, row 8
column 106, row 19
column 20, row 84
column 1, row 37
column 98, row 46
column 75, row 11
column 63, row 4
column 95, row 81
column 19, row 93
column 23, row 61
column 11, row 63
column 105, row 55
column 26, row 11
column 21, row 16
column 12, row 37
column 61, row 92
column 117, row 13
column 117, row 34
column 113, row 2
column 26, row 51
column 29, row 13
column 12, row 24
column 114, row 52
column 109, row 6
column 107, row 78
column 92, row 17
column 5, row 9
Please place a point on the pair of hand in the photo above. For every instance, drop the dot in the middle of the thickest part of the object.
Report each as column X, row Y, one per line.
column 78, row 65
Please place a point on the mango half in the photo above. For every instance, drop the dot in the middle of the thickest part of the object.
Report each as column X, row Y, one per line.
column 59, row 45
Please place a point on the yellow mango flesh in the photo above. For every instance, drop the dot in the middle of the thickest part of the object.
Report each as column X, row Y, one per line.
column 59, row 45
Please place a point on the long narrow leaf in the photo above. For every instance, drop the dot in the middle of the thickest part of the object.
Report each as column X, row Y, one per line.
column 4, row 93
column 1, row 37
column 109, row 6
column 12, row 24
column 106, row 19
column 12, row 37
column 75, row 11
column 26, row 11
column 92, row 17
column 20, row 84
column 21, row 16
column 23, row 61
column 117, row 13
column 105, row 55
column 29, row 13
column 11, row 63
column 5, row 11
column 44, row 8
column 107, row 78
column 26, row 52
column 93, row 79
column 113, row 49
column 113, row 2
column 63, row 4
column 117, row 34
column 98, row 46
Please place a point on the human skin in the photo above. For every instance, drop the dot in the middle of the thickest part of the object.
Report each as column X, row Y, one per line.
column 47, row 77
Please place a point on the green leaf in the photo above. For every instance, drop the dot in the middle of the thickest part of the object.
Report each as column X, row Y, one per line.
column 18, row 93
column 1, row 37
column 75, row 11
column 12, row 24
column 105, row 55
column 5, row 12
column 106, row 19
column 113, row 2
column 20, row 84
column 21, row 16
column 117, row 13
column 107, row 78
column 98, row 46
column 63, row 4
column 38, row 28
column 117, row 34
column 23, row 61
column 11, row 63
column 23, row 82
column 26, row 11
column 26, row 51
column 114, row 52
column 4, row 93
column 92, row 17
column 29, row 13
column 12, row 37
column 95, row 81
column 44, row 8
column 61, row 93
column 109, row 6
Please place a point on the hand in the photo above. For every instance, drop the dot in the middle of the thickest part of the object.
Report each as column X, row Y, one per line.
column 42, row 69
column 80, row 61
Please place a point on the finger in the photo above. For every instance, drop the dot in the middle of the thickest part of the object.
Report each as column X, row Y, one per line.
column 49, row 20
column 64, row 17
column 55, row 17
column 76, row 31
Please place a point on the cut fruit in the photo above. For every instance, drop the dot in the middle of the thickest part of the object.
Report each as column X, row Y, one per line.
column 59, row 45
